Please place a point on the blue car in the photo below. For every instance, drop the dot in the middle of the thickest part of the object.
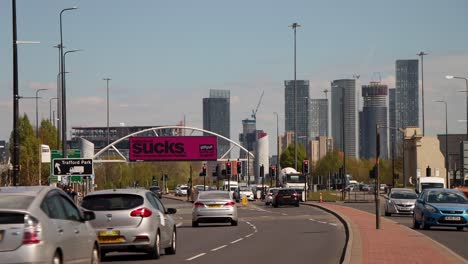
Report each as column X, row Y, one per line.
column 441, row 207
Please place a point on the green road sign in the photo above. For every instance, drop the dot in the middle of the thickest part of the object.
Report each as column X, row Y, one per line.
column 76, row 179
column 53, row 179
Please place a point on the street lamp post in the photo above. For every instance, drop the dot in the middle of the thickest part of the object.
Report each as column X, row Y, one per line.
column 277, row 151
column 108, row 130
column 16, row 147
column 294, row 26
column 422, row 54
column 466, row 87
column 446, row 141
column 50, row 110
column 37, row 111
column 64, row 106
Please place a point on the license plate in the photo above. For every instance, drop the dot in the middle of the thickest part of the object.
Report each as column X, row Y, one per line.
column 287, row 196
column 109, row 233
column 214, row 205
column 110, row 239
column 453, row 218
column 404, row 209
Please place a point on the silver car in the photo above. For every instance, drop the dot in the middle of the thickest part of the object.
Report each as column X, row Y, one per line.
column 400, row 201
column 214, row 207
column 132, row 220
column 269, row 196
column 41, row 224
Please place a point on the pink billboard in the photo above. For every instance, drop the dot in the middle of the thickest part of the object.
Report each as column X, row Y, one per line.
column 173, row 148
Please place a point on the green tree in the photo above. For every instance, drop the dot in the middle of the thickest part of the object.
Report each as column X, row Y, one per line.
column 287, row 157
column 48, row 134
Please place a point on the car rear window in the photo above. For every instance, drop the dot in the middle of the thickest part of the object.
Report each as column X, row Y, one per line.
column 214, row 195
column 183, row 188
column 11, row 218
column 110, row 202
column 155, row 188
column 12, row 201
column 290, row 191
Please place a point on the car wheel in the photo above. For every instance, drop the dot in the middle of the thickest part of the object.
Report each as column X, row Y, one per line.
column 57, row 259
column 275, row 205
column 423, row 224
column 416, row 225
column 233, row 223
column 155, row 252
column 460, row 228
column 296, row 205
column 194, row 224
column 172, row 249
column 95, row 255
column 387, row 213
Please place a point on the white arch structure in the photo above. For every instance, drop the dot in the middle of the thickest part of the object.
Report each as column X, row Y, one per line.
column 154, row 129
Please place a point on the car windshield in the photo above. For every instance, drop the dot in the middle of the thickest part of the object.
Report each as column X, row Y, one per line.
column 244, row 188
column 183, row 188
column 156, row 188
column 430, row 185
column 403, row 195
column 14, row 201
column 446, row 197
column 110, row 202
column 296, row 178
column 214, row 196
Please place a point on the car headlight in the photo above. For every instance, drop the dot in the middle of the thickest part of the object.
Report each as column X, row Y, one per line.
column 390, row 201
column 431, row 208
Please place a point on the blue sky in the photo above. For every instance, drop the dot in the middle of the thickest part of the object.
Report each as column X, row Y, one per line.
column 164, row 56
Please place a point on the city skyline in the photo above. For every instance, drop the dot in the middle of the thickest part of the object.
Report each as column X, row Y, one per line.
column 159, row 54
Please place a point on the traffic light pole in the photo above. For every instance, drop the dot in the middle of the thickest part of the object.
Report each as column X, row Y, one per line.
column 377, row 178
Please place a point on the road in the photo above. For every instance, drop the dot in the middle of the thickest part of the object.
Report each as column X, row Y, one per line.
column 264, row 235
column 455, row 240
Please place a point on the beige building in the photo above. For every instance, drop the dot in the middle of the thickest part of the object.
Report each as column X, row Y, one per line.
column 285, row 140
column 421, row 152
column 318, row 149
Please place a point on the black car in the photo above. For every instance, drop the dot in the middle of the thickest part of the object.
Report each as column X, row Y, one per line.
column 156, row 190
column 285, row 196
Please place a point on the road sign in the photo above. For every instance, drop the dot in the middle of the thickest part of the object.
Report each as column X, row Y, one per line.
column 72, row 167
column 76, row 179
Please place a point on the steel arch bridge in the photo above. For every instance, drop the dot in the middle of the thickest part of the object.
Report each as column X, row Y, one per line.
column 97, row 157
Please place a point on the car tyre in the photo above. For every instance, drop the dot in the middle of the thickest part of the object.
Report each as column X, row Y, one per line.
column 296, row 205
column 95, row 255
column 416, row 224
column 234, row 223
column 387, row 213
column 57, row 259
column 424, row 225
column 194, row 223
column 275, row 205
column 172, row 249
column 460, row 228
column 155, row 252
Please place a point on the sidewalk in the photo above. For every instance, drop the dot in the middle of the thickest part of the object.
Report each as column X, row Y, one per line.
column 392, row 243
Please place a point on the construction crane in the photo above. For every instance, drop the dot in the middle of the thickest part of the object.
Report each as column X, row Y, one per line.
column 254, row 112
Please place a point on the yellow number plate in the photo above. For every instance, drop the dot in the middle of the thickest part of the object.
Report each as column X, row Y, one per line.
column 109, row 233
column 287, row 196
column 107, row 240
column 214, row 206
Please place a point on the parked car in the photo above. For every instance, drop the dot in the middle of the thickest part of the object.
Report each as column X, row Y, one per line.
column 285, row 196
column 132, row 220
column 41, row 224
column 214, row 207
column 441, row 207
column 400, row 201
column 269, row 196
column 181, row 190
column 156, row 190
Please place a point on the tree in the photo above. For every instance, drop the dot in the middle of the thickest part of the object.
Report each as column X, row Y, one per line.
column 287, row 157
column 48, row 134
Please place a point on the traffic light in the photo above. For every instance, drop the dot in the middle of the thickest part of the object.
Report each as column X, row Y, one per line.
column 228, row 168
column 155, row 180
column 272, row 171
column 305, row 166
column 203, row 173
column 373, row 172
column 239, row 167
column 262, row 171
column 428, row 171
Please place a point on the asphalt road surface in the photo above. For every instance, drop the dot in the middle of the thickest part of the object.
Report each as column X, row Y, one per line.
column 264, row 235
column 455, row 240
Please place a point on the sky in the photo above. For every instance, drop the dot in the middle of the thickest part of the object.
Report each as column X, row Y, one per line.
column 164, row 56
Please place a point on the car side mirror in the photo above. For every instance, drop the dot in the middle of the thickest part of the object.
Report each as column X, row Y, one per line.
column 88, row 216
column 171, row 211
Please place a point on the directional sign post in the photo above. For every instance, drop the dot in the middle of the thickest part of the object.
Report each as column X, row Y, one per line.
column 83, row 167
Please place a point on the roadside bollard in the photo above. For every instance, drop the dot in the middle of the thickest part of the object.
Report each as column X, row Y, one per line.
column 321, row 200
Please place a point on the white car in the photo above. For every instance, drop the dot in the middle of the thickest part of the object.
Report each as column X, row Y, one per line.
column 246, row 192
column 181, row 190
column 269, row 195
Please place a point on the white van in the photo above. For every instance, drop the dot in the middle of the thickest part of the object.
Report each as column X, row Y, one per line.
column 429, row 182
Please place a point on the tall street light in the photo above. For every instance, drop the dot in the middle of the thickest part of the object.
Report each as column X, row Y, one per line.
column 16, row 147
column 294, row 26
column 446, row 142
column 50, row 110
column 64, row 106
column 422, row 54
column 278, row 159
column 37, row 111
column 108, row 130
column 62, row 70
column 449, row 77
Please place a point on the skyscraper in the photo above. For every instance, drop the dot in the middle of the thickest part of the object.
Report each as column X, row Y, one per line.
column 302, row 115
column 216, row 117
column 374, row 112
column 392, row 119
column 344, row 102
column 318, row 117
column 407, row 93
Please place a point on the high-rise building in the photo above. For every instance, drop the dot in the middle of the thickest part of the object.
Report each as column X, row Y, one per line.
column 343, row 112
column 302, row 115
column 393, row 131
column 318, row 117
column 407, row 93
column 374, row 112
column 217, row 117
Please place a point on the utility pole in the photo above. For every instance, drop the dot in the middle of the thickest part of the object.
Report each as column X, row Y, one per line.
column 294, row 26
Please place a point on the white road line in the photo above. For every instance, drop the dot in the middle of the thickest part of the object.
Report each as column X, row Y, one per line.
column 179, row 225
column 194, row 257
column 333, row 224
column 248, row 235
column 235, row 241
column 311, row 219
column 218, row 248
column 284, row 214
column 322, row 222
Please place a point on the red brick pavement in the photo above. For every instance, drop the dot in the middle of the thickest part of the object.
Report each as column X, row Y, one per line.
column 392, row 243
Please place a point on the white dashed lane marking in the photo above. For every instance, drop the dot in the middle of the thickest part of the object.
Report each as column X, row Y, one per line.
column 218, row 248
column 197, row 256
column 235, row 241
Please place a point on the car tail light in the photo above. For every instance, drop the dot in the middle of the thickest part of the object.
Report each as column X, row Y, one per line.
column 278, row 195
column 31, row 230
column 141, row 212
column 199, row 204
column 229, row 204
column 270, row 194
column 295, row 194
